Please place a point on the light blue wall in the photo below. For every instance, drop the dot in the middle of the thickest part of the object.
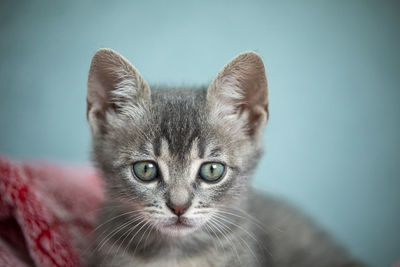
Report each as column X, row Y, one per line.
column 332, row 143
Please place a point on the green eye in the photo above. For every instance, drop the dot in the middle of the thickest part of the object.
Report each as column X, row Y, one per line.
column 145, row 170
column 211, row 171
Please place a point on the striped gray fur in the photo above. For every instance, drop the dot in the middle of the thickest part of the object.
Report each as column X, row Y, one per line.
column 228, row 222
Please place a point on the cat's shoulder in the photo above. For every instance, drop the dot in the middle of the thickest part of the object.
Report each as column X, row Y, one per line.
column 289, row 231
column 282, row 218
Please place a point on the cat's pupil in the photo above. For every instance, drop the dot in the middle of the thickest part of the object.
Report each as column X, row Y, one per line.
column 212, row 169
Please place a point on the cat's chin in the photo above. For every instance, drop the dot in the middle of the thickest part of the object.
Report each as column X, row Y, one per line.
column 178, row 228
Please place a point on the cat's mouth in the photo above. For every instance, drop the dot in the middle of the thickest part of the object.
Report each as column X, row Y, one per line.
column 179, row 226
column 180, row 222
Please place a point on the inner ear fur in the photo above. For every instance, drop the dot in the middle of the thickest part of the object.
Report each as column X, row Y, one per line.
column 241, row 89
column 113, row 84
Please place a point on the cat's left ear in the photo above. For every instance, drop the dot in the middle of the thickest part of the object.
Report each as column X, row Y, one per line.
column 239, row 93
column 115, row 88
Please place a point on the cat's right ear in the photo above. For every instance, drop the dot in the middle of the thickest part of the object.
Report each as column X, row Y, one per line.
column 238, row 96
column 114, row 87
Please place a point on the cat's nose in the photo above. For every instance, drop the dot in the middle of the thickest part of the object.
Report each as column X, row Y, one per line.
column 178, row 209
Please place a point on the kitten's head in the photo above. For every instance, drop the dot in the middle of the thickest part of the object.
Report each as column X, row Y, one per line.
column 175, row 157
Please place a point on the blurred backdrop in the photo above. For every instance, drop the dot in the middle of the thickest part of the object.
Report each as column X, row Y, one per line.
column 332, row 142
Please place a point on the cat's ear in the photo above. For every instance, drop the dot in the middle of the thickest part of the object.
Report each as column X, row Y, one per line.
column 114, row 87
column 239, row 94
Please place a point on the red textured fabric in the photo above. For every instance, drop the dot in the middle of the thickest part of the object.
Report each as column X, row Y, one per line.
column 46, row 213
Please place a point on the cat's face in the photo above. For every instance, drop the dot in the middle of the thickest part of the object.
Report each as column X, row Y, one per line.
column 173, row 157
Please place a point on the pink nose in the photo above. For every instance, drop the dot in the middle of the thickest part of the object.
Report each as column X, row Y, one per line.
column 178, row 209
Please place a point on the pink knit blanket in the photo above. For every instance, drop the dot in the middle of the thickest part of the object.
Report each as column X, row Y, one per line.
column 46, row 213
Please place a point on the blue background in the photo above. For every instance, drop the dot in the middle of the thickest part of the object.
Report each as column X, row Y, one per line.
column 332, row 142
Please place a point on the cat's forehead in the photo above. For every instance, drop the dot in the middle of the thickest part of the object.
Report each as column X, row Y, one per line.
column 179, row 121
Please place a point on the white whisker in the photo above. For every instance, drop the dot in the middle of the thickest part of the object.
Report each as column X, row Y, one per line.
column 115, row 231
column 226, row 234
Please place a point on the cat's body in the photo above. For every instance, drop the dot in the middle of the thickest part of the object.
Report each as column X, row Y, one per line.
column 284, row 238
column 177, row 165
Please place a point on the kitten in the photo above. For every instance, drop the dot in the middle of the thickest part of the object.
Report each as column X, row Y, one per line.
column 177, row 165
